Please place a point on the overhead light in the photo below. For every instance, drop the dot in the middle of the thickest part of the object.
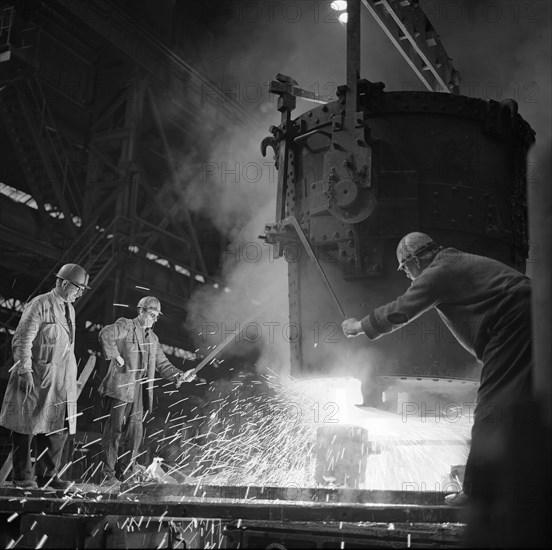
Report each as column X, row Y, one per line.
column 339, row 5
column 343, row 17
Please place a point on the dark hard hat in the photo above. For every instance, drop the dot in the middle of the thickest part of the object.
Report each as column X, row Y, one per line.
column 75, row 274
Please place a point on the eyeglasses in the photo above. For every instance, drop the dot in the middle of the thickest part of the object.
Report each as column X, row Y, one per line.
column 76, row 286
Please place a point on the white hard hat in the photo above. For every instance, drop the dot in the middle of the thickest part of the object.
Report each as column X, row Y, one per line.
column 150, row 302
column 412, row 245
column 75, row 274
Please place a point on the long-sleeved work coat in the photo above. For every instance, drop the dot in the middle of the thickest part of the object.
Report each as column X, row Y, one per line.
column 485, row 304
column 125, row 337
column 43, row 344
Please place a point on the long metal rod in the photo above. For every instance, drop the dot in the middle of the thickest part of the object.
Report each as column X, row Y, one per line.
column 224, row 344
column 291, row 220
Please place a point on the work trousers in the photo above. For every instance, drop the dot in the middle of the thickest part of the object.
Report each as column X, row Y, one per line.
column 49, row 449
column 506, row 382
column 123, row 429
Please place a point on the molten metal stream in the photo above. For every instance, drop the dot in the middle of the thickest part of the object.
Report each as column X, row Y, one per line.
column 310, row 433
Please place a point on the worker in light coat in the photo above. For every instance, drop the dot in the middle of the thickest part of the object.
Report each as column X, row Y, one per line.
column 41, row 396
column 487, row 306
column 135, row 354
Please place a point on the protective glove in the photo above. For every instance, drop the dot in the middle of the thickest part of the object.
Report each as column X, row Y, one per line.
column 26, row 383
column 351, row 327
column 120, row 361
column 187, row 376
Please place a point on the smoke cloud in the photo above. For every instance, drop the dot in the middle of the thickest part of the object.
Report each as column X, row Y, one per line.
column 501, row 50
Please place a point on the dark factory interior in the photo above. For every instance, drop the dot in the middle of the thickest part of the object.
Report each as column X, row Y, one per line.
column 203, row 203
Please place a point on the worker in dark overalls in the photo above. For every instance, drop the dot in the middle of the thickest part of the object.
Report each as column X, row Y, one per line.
column 487, row 306
column 135, row 354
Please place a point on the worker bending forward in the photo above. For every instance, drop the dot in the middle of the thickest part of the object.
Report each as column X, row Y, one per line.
column 134, row 353
column 487, row 306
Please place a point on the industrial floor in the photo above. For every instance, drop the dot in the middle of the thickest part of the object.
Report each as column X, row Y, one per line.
column 208, row 516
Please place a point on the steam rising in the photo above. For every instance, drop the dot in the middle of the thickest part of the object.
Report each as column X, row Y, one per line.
column 500, row 50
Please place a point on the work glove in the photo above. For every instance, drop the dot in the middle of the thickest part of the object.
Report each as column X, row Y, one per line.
column 26, row 383
column 187, row 376
column 120, row 361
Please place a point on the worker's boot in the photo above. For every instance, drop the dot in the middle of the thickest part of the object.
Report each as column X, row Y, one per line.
column 133, row 474
column 53, row 482
column 110, row 483
column 25, row 483
column 457, row 499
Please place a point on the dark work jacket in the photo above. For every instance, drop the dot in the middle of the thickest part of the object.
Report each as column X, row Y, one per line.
column 471, row 294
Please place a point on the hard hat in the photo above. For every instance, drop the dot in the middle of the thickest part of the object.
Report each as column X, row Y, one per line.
column 412, row 245
column 75, row 274
column 150, row 302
